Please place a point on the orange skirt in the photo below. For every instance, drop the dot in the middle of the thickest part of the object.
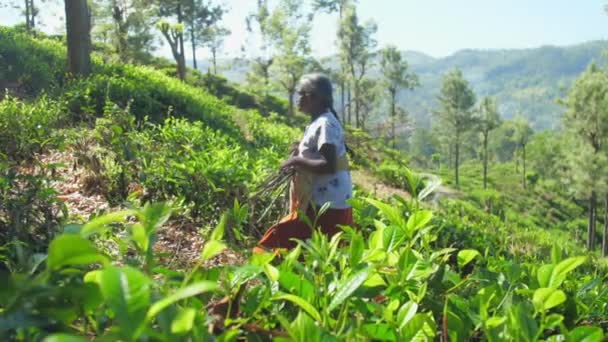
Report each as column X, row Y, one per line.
column 290, row 227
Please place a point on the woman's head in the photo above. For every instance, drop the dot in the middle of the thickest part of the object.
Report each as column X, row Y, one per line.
column 315, row 94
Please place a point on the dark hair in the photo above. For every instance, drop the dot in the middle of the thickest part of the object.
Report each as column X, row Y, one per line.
column 320, row 85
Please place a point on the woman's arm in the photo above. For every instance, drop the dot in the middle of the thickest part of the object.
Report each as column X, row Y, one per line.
column 324, row 165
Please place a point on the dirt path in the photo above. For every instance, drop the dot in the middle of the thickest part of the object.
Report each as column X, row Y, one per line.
column 179, row 241
column 375, row 186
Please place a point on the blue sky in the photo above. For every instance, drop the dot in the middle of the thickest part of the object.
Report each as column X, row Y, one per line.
column 434, row 27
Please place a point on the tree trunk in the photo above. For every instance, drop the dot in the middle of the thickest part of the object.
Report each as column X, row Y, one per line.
column 28, row 10
column 78, row 27
column 605, row 235
column 357, row 119
column 485, row 160
column 290, row 94
column 181, row 62
column 118, row 16
column 393, row 117
column 523, row 178
column 343, row 101
column 214, row 59
column 456, row 158
column 591, row 223
column 193, row 42
column 348, row 104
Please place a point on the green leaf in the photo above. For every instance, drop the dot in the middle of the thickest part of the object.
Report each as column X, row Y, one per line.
column 495, row 321
column 297, row 285
column 420, row 328
column 184, row 321
column 212, row 248
column 347, row 287
column 271, row 272
column 72, row 250
column 127, row 293
column 139, row 236
column 546, row 298
column 406, row 313
column 218, row 232
column 153, row 216
column 556, row 254
column 304, row 305
column 586, row 334
column 183, row 293
column 380, row 332
column 392, row 238
column 465, row 256
column 100, row 224
column 357, row 246
column 418, row 220
column 543, row 274
column 561, row 270
column 553, row 320
column 64, row 338
column 393, row 215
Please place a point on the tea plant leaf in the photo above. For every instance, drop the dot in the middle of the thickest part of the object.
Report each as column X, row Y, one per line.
column 127, row 293
column 212, row 248
column 218, row 232
column 465, row 256
column 393, row 215
column 419, row 219
column 495, row 321
column 184, row 321
column 553, row 320
column 586, row 334
column 72, row 250
column 419, row 328
column 543, row 274
column 183, row 293
column 392, row 238
column 380, row 332
column 561, row 270
column 357, row 246
column 346, row 288
column 304, row 305
column 100, row 224
column 271, row 272
column 64, row 338
column 547, row 298
column 297, row 285
column 406, row 313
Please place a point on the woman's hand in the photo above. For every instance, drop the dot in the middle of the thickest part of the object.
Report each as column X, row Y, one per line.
column 289, row 164
column 294, row 149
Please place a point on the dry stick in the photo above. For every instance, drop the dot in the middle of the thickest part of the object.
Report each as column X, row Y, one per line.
column 273, row 184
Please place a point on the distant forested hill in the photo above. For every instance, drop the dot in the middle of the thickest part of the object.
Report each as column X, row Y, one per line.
column 526, row 80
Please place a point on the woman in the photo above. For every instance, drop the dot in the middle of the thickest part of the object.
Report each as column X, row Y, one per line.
column 321, row 171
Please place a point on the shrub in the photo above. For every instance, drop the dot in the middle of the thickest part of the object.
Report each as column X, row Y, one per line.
column 26, row 129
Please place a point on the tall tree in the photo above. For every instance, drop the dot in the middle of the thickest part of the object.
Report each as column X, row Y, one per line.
column 127, row 25
column 288, row 28
column 488, row 120
column 259, row 21
column 339, row 6
column 214, row 39
column 201, row 15
column 356, row 49
column 396, row 76
column 172, row 25
column 523, row 133
column 78, row 28
column 456, row 99
column 586, row 119
column 29, row 9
